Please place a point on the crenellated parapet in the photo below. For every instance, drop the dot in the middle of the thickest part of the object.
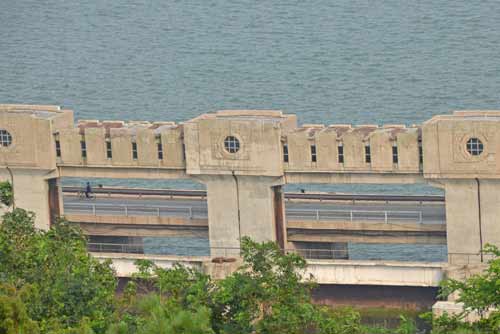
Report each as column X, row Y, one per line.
column 244, row 157
column 121, row 144
column 344, row 148
column 244, row 142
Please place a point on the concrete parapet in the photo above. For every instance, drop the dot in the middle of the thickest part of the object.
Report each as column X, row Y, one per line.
column 375, row 272
column 321, row 271
column 124, row 264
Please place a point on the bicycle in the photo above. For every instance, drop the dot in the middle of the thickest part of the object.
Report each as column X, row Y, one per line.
column 82, row 195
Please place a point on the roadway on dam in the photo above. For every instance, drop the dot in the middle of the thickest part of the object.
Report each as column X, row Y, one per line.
column 413, row 212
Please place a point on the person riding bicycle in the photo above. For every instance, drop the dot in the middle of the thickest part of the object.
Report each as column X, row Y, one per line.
column 88, row 190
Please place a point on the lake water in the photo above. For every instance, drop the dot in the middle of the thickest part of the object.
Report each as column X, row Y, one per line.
column 395, row 61
column 344, row 61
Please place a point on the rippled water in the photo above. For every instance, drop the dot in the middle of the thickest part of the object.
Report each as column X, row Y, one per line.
column 394, row 61
column 327, row 61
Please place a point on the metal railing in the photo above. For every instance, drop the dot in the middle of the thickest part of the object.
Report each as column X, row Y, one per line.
column 386, row 216
column 311, row 196
column 137, row 210
column 470, row 258
column 206, row 251
column 192, row 212
column 130, row 248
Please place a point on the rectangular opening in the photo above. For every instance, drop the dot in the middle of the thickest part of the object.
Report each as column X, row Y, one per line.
column 368, row 154
column 58, row 148
column 160, row 150
column 394, row 154
column 285, row 152
column 420, row 151
column 314, row 157
column 134, row 150
column 109, row 151
column 83, row 147
column 340, row 149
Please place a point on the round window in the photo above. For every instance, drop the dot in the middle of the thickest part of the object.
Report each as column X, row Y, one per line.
column 474, row 146
column 231, row 144
column 5, row 138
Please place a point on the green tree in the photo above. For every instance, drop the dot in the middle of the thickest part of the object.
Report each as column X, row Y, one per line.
column 49, row 284
column 66, row 283
column 6, row 193
column 480, row 294
column 14, row 318
column 266, row 295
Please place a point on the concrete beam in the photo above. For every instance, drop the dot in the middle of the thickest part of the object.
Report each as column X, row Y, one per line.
column 366, row 237
column 137, row 220
column 123, row 172
column 142, row 231
column 364, row 226
column 352, row 178
column 322, row 271
column 125, row 267
column 375, row 272
column 304, row 231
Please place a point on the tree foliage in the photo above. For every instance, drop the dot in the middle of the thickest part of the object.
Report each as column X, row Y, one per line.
column 480, row 294
column 266, row 295
column 49, row 284
column 6, row 193
column 62, row 284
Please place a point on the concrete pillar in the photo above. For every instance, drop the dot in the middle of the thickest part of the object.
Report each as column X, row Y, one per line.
column 56, row 206
column 242, row 206
column 31, row 192
column 464, row 222
column 472, row 211
column 490, row 211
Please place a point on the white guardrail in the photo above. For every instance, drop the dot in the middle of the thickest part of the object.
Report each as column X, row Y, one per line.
column 192, row 212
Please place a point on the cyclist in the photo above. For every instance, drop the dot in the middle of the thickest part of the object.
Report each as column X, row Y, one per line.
column 88, row 190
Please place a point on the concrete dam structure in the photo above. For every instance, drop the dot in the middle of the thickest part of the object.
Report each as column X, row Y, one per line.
column 244, row 157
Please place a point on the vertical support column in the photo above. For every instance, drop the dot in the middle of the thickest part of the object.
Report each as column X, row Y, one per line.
column 279, row 216
column 223, row 215
column 241, row 206
column 54, row 200
column 490, row 212
column 463, row 221
column 257, row 207
column 31, row 192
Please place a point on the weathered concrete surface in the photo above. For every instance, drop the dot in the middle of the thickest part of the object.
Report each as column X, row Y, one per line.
column 322, row 271
column 124, row 266
column 370, row 237
column 137, row 220
column 31, row 191
column 376, row 296
column 123, row 172
column 335, row 177
column 142, row 230
column 375, row 272
column 450, row 308
column 359, row 225
column 140, row 226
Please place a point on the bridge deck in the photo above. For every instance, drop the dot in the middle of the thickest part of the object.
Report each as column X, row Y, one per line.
column 309, row 221
column 312, row 210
